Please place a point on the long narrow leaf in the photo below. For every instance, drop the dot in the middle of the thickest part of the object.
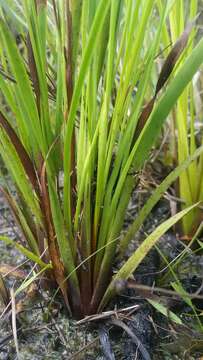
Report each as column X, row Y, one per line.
column 132, row 263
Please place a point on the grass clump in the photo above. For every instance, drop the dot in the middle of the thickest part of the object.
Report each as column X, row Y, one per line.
column 76, row 127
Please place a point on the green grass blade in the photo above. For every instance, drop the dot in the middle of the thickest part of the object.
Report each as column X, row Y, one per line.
column 90, row 48
column 28, row 254
column 24, row 86
column 132, row 263
column 17, row 172
column 166, row 312
column 168, row 100
column 154, row 198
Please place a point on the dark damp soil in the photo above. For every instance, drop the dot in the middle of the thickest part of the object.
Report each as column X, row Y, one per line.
column 140, row 332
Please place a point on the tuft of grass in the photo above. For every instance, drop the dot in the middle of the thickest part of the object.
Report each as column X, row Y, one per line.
column 80, row 115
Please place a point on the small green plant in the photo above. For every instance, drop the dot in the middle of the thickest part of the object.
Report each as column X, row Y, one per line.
column 74, row 132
